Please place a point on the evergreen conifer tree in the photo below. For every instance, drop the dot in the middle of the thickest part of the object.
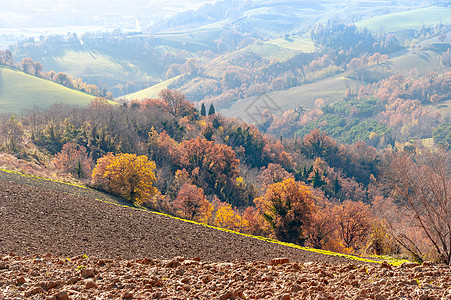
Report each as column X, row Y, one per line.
column 211, row 110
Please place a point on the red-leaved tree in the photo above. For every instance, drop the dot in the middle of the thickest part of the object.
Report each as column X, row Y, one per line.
column 74, row 159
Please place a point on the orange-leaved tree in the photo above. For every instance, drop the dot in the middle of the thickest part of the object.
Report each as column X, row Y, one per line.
column 130, row 176
column 288, row 206
column 214, row 167
column 421, row 183
column 322, row 227
column 192, row 204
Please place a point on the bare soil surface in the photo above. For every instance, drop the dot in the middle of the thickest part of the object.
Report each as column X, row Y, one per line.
column 56, row 244
column 179, row 278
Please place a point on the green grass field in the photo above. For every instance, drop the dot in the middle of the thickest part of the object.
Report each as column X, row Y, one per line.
column 303, row 44
column 90, row 62
column 151, row 92
column 330, row 89
column 19, row 91
column 412, row 19
column 423, row 61
column 271, row 51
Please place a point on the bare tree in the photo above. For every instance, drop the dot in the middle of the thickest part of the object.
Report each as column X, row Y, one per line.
column 354, row 222
column 421, row 184
column 174, row 99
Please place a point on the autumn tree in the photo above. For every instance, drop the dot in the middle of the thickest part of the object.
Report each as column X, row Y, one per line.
column 226, row 217
column 318, row 144
column 354, row 223
column 74, row 159
column 288, row 207
column 12, row 132
column 255, row 223
column 273, row 173
column 162, row 148
column 38, row 68
column 28, row 66
column 174, row 99
column 421, row 184
column 192, row 204
column 127, row 175
column 322, row 227
column 380, row 241
column 213, row 167
column 63, row 79
column 6, row 57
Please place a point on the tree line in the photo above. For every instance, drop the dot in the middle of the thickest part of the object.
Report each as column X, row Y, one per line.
column 168, row 156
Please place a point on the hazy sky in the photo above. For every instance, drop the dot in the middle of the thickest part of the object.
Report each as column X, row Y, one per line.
column 29, row 13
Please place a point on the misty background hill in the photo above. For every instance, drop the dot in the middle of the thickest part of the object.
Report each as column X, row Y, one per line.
column 209, row 49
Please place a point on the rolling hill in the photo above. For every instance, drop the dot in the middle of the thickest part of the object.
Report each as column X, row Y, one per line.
column 329, row 89
column 151, row 92
column 19, row 91
column 102, row 65
column 111, row 61
column 423, row 61
column 276, row 49
column 407, row 20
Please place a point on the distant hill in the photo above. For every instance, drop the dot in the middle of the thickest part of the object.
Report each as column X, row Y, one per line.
column 19, row 91
column 102, row 65
column 151, row 92
column 276, row 49
column 424, row 61
column 329, row 89
column 407, row 20
column 228, row 38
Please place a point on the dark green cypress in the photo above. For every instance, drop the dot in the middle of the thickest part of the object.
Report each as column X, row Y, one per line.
column 211, row 110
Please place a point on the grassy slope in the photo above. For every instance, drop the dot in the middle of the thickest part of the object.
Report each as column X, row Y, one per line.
column 20, row 91
column 412, row 19
column 151, row 92
column 330, row 89
column 333, row 88
column 279, row 49
column 303, row 44
column 84, row 62
column 423, row 61
column 192, row 40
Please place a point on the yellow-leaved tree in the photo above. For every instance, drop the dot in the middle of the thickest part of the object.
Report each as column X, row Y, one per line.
column 227, row 218
column 129, row 176
column 288, row 207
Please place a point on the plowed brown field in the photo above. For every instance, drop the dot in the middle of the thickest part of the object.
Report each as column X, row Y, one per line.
column 117, row 252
